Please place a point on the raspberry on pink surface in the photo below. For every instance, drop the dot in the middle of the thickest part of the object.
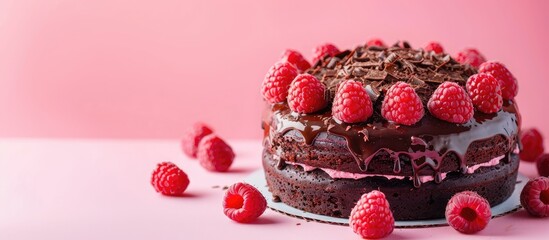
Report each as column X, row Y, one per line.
column 542, row 164
column 295, row 58
column 243, row 203
column 485, row 92
column 435, row 47
column 371, row 217
column 277, row 82
column 468, row 212
column 535, row 197
column 306, row 94
column 532, row 144
column 470, row 56
column 451, row 103
column 375, row 42
column 192, row 137
column 214, row 154
column 402, row 105
column 507, row 82
column 321, row 51
column 169, row 180
column 352, row 103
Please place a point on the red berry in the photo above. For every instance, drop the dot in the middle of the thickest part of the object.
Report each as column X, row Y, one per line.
column 542, row 163
column 402, row 105
column 192, row 137
column 532, row 144
column 169, row 180
column 435, row 47
column 507, row 82
column 470, row 56
column 306, row 94
column 535, row 197
column 372, row 217
column 243, row 203
column 321, row 51
column 215, row 154
column 451, row 103
column 375, row 42
column 352, row 103
column 277, row 81
column 468, row 212
column 295, row 58
column 485, row 92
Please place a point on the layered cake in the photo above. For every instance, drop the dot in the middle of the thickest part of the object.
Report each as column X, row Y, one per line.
column 417, row 125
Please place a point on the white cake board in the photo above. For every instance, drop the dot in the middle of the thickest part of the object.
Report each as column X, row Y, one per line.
column 257, row 179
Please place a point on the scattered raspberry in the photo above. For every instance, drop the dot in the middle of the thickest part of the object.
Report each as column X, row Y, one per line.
column 306, row 94
column 372, row 217
column 507, row 82
column 192, row 137
column 352, row 103
column 485, row 92
column 435, row 47
column 535, row 197
column 402, row 105
column 277, row 81
column 214, row 154
column 326, row 49
column 169, row 180
column 532, row 144
column 243, row 203
column 470, row 56
column 451, row 103
column 295, row 58
column 375, row 42
column 468, row 212
column 542, row 163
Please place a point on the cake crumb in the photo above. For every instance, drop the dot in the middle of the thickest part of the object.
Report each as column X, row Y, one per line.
column 225, row 187
column 215, row 186
column 298, row 224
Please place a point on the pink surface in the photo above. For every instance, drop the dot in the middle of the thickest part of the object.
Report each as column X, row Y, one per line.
column 125, row 69
column 99, row 189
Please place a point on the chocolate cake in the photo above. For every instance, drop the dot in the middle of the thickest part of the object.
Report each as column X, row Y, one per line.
column 322, row 165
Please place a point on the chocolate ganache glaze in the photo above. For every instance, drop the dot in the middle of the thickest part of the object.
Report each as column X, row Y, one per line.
column 416, row 150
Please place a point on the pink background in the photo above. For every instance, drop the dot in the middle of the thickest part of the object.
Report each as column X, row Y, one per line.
column 148, row 69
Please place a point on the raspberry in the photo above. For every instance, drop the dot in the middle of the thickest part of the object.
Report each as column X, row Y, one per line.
column 243, row 203
column 372, row 217
column 277, row 81
column 507, row 82
column 485, row 92
column 295, row 58
column 306, row 94
column 435, row 47
column 214, row 154
column 535, row 197
column 192, row 137
column 468, row 212
column 352, row 103
column 470, row 56
column 451, row 103
column 532, row 144
column 542, row 163
column 375, row 42
column 169, row 180
column 402, row 105
column 321, row 51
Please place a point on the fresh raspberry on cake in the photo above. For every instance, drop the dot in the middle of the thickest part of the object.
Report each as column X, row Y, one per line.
column 535, row 197
column 532, row 144
column 542, row 164
column 468, row 212
column 192, row 137
column 375, row 42
column 277, row 82
column 470, row 56
column 451, row 103
column 402, row 104
column 306, row 94
column 371, row 217
column 321, row 51
column 214, row 154
column 507, row 82
column 352, row 103
column 295, row 58
column 485, row 92
column 435, row 47
column 169, row 180
column 243, row 203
